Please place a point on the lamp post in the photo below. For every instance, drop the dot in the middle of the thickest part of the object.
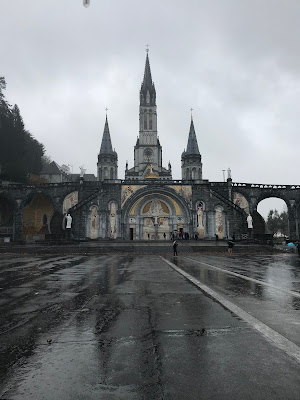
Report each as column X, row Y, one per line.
column 223, row 174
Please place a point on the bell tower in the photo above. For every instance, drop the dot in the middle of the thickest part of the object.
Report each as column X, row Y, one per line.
column 147, row 151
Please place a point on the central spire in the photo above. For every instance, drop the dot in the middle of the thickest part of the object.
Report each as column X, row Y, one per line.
column 147, row 92
column 147, row 82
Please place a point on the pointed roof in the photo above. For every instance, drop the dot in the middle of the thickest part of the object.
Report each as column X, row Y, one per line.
column 192, row 146
column 53, row 168
column 147, row 81
column 106, row 146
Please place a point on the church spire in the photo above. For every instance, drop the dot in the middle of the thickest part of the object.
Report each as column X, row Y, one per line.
column 147, row 81
column 106, row 146
column 191, row 165
column 147, row 92
column 192, row 146
column 107, row 165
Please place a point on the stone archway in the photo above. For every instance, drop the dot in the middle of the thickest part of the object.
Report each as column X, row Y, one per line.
column 6, row 217
column 155, row 214
column 156, row 219
column 278, row 204
column 37, row 215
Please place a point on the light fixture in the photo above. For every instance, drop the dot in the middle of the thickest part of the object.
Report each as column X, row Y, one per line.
column 86, row 3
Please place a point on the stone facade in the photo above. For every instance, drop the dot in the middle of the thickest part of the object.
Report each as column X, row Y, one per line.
column 148, row 204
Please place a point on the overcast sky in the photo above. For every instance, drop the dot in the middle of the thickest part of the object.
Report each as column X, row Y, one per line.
column 235, row 62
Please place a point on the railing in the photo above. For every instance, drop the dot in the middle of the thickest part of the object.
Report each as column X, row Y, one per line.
column 227, row 201
column 265, row 186
column 21, row 186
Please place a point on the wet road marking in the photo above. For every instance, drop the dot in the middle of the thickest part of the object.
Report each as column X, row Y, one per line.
column 293, row 293
column 274, row 337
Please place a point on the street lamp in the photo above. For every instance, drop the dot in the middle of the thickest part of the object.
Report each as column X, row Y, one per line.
column 86, row 3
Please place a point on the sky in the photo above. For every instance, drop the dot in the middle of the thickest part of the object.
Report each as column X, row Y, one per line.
column 235, row 62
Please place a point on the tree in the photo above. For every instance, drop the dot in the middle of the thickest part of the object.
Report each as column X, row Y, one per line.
column 277, row 223
column 20, row 153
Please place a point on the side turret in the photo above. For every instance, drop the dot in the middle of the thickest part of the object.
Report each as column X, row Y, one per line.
column 107, row 166
column 191, row 165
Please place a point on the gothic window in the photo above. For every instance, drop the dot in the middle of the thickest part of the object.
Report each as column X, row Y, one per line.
column 187, row 174
column 150, row 120
column 145, row 120
column 194, row 173
column 111, row 173
column 199, row 173
column 105, row 173
column 148, row 97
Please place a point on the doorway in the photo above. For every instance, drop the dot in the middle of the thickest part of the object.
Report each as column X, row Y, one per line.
column 131, row 233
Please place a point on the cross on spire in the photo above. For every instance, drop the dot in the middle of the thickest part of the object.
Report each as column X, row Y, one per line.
column 147, row 48
column 106, row 109
column 191, row 112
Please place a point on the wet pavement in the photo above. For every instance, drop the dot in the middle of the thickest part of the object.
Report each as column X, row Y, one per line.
column 130, row 327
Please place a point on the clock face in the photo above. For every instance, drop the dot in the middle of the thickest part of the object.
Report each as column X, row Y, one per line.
column 148, row 154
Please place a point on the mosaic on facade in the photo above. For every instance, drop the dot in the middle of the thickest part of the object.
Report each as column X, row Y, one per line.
column 94, row 223
column 241, row 201
column 184, row 191
column 200, row 220
column 127, row 191
column 113, row 220
column 70, row 201
column 219, row 223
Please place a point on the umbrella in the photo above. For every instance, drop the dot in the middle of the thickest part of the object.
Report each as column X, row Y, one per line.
column 291, row 244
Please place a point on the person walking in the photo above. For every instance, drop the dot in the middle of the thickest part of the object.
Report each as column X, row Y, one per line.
column 230, row 246
column 175, row 244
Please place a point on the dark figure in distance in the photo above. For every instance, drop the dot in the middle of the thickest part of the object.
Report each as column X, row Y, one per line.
column 175, row 244
column 230, row 246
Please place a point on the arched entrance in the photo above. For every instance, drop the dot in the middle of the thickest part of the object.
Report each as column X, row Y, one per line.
column 6, row 217
column 36, row 217
column 275, row 214
column 155, row 215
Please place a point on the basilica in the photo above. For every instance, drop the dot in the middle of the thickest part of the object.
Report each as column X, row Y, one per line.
column 147, row 205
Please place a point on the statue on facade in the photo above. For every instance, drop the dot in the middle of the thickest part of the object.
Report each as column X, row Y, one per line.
column 69, row 220
column 229, row 173
column 250, row 225
column 250, row 222
column 82, row 171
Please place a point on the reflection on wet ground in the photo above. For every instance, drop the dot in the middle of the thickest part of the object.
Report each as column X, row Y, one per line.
column 271, row 292
column 129, row 327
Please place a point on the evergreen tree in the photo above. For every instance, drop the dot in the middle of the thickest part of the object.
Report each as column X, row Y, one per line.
column 20, row 154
